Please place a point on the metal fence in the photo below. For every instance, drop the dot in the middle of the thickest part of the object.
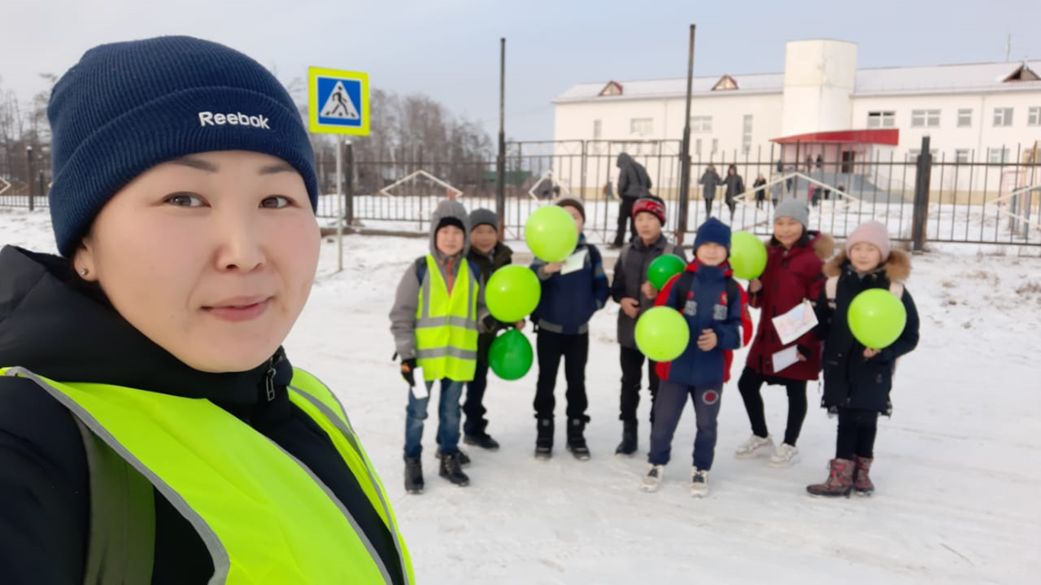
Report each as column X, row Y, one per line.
column 966, row 198
column 25, row 178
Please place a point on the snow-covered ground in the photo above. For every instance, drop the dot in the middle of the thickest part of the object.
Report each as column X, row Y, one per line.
column 957, row 470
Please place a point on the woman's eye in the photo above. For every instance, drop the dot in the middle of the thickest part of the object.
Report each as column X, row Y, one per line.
column 275, row 202
column 184, row 200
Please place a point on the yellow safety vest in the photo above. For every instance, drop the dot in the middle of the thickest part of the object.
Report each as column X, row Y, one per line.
column 264, row 517
column 446, row 325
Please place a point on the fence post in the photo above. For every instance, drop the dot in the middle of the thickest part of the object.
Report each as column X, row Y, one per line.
column 30, row 176
column 921, row 197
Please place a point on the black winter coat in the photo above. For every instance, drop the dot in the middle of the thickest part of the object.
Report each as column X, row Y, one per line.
column 64, row 329
column 500, row 256
column 630, row 272
column 633, row 181
column 735, row 186
column 850, row 381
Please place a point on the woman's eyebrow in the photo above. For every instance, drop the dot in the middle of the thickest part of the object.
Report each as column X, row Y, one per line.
column 196, row 163
column 280, row 167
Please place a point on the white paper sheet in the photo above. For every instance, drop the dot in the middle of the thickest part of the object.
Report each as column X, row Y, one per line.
column 785, row 358
column 795, row 323
column 575, row 261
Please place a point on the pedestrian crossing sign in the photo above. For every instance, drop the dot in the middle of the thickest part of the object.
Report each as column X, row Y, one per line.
column 338, row 101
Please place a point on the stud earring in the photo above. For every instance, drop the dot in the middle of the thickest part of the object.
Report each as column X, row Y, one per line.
column 83, row 271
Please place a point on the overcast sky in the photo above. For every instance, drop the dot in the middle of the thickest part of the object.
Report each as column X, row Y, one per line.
column 448, row 49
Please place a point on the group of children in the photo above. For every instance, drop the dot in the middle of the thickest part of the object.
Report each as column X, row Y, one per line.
column 441, row 326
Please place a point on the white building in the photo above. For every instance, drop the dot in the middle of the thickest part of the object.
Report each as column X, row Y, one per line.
column 823, row 105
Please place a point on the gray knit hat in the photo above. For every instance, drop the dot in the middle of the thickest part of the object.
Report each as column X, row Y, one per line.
column 484, row 216
column 794, row 209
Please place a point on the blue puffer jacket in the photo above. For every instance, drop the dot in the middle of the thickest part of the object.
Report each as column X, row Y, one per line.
column 707, row 305
column 569, row 300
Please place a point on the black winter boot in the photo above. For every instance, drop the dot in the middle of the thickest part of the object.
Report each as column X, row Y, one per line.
column 630, row 441
column 451, row 470
column 464, row 459
column 544, row 441
column 576, row 440
column 413, row 475
column 482, row 440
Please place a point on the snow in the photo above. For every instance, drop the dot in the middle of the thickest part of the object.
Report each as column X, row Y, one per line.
column 956, row 472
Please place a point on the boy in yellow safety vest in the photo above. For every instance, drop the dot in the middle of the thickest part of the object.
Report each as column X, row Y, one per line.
column 437, row 309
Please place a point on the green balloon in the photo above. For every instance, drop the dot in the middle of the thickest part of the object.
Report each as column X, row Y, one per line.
column 663, row 269
column 512, row 293
column 877, row 318
column 510, row 355
column 551, row 233
column 747, row 255
column 662, row 334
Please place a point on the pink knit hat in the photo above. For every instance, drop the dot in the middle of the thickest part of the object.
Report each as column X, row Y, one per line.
column 872, row 232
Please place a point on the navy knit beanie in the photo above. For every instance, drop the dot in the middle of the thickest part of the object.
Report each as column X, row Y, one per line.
column 126, row 107
column 713, row 231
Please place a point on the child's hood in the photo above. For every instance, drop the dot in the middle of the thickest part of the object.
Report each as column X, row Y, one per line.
column 897, row 268
column 452, row 209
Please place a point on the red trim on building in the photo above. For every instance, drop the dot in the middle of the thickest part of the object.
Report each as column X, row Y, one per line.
column 884, row 136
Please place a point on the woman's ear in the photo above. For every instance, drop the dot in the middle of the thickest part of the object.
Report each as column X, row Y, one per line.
column 83, row 260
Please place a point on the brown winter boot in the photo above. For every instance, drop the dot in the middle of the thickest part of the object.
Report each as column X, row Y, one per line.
column 840, row 480
column 862, row 482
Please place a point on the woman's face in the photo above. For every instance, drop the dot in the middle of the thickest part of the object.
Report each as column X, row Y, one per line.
column 211, row 256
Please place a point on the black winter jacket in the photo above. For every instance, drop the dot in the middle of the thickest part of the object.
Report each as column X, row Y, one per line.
column 630, row 272
column 633, row 181
column 850, row 381
column 62, row 328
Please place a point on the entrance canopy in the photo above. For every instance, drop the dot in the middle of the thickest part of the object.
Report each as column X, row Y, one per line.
column 883, row 136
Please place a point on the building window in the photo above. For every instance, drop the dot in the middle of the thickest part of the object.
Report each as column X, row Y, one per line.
column 715, row 145
column 913, row 153
column 961, row 155
column 641, row 126
column 964, row 118
column 925, row 118
column 701, row 124
column 697, row 147
column 746, row 135
column 598, row 127
column 1002, row 116
column 1034, row 116
column 998, row 156
column 881, row 119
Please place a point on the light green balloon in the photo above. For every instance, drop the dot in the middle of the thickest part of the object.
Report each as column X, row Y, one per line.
column 551, row 233
column 747, row 255
column 662, row 334
column 877, row 318
column 512, row 293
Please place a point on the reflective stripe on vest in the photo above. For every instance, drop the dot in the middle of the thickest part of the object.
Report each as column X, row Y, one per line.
column 263, row 516
column 446, row 325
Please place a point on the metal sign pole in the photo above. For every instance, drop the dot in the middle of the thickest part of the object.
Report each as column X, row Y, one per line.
column 339, row 204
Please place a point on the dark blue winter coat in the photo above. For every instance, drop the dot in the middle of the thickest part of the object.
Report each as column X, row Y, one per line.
column 569, row 300
column 707, row 305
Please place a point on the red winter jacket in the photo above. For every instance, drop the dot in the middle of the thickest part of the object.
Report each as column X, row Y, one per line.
column 790, row 276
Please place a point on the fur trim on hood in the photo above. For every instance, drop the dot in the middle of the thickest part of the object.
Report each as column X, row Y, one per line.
column 896, row 269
